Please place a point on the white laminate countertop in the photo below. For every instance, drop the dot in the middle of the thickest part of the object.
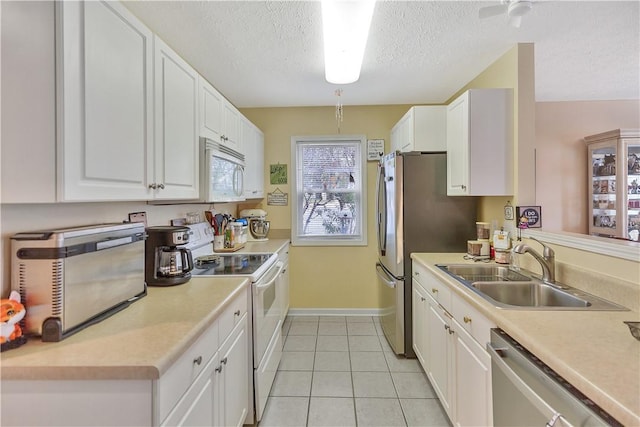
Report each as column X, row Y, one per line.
column 139, row 342
column 593, row 350
column 271, row 245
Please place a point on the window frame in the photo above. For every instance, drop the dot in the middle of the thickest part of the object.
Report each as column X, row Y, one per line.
column 298, row 239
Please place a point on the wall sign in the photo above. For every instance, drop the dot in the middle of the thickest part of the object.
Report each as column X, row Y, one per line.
column 278, row 174
column 375, row 149
column 529, row 216
column 277, row 198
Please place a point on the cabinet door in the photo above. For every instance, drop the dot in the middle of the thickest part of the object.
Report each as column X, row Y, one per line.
column 253, row 145
column 176, row 138
column 458, row 146
column 197, row 406
column 472, row 381
column 211, row 102
column 420, row 323
column 28, row 74
column 234, row 385
column 104, row 89
column 231, row 126
column 440, row 357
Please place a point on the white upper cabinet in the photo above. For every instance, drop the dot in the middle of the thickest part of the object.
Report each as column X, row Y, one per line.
column 28, row 102
column 176, row 120
column 219, row 119
column 231, row 131
column 211, row 102
column 253, row 142
column 422, row 128
column 480, row 143
column 105, row 93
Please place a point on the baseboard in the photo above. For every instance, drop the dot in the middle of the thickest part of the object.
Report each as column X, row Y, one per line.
column 375, row 312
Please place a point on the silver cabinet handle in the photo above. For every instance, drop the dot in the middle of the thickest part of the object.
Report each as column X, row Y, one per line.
column 219, row 369
column 224, row 361
column 197, row 360
column 462, row 186
column 153, row 186
column 422, row 299
column 236, row 313
column 161, row 186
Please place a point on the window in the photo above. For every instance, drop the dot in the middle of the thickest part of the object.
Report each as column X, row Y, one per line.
column 329, row 180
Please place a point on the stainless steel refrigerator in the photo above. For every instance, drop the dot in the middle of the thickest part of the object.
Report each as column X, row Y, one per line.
column 414, row 214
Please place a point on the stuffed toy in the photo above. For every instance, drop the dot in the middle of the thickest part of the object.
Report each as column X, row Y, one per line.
column 11, row 313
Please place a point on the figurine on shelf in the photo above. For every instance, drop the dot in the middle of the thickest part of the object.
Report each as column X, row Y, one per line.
column 633, row 164
column 11, row 313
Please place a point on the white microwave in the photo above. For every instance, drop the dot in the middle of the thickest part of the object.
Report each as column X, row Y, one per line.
column 222, row 173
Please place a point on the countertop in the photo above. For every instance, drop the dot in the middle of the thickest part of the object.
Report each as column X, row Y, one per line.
column 593, row 350
column 139, row 342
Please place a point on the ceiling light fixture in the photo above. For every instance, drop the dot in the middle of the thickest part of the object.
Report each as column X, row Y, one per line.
column 345, row 25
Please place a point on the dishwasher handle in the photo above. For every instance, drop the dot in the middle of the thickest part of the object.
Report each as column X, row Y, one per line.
column 497, row 354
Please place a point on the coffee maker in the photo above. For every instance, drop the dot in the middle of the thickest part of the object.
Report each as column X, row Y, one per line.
column 167, row 261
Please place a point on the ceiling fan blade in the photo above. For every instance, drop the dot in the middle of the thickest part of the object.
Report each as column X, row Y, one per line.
column 515, row 21
column 488, row 11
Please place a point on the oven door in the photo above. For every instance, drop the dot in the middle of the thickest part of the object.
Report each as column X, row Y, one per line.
column 266, row 311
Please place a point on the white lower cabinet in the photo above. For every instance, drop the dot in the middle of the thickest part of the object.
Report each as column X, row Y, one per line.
column 208, row 385
column 472, row 380
column 233, row 378
column 450, row 348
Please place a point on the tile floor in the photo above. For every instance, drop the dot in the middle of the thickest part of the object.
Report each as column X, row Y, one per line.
column 340, row 371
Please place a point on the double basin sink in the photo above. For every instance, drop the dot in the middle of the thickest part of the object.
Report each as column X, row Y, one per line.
column 508, row 288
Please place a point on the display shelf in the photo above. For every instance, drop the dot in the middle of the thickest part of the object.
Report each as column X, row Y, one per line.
column 614, row 184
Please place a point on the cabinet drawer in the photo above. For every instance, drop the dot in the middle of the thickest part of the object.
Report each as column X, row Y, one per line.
column 231, row 316
column 474, row 322
column 172, row 385
column 433, row 286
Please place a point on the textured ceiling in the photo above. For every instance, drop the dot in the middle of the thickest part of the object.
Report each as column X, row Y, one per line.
column 267, row 54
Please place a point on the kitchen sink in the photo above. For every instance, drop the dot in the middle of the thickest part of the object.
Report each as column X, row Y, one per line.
column 520, row 290
column 529, row 294
column 484, row 273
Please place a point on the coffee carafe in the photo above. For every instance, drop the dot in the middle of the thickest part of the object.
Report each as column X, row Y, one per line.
column 167, row 261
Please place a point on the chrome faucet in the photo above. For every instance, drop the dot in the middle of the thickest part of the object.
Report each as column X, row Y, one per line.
column 547, row 260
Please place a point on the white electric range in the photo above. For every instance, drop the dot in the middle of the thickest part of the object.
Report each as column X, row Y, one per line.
column 263, row 269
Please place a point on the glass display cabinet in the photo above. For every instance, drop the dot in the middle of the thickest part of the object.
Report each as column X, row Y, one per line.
column 614, row 184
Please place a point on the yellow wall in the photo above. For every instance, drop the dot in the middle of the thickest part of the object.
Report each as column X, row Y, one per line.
column 320, row 277
column 326, row 277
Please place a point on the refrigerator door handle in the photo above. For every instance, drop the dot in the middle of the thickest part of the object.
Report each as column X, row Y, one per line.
column 382, row 274
column 381, row 193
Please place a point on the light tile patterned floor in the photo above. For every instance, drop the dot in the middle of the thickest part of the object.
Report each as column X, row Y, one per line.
column 340, row 371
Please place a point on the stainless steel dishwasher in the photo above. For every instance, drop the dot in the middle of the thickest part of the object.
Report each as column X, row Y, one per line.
column 526, row 392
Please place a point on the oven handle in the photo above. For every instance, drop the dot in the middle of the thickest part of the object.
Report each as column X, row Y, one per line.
column 279, row 267
column 522, row 386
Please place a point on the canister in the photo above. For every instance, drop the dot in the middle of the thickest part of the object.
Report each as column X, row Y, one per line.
column 482, row 230
column 503, row 256
column 478, row 247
